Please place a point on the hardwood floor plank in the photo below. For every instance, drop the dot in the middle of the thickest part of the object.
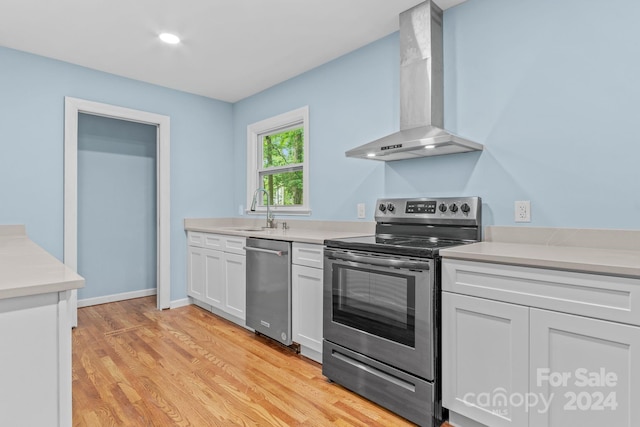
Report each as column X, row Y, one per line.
column 136, row 366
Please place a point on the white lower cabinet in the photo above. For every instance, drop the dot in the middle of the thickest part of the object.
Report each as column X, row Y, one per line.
column 35, row 373
column 216, row 280
column 486, row 355
column 306, row 299
column 195, row 272
column 235, row 285
column 216, row 277
column 307, row 307
column 517, row 363
column 588, row 371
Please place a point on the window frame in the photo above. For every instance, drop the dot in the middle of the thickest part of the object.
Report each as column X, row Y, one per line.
column 295, row 118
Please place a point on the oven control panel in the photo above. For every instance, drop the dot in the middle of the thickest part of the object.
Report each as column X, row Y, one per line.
column 416, row 206
column 425, row 209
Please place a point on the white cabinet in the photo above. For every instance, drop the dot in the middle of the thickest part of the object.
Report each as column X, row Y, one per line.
column 195, row 272
column 214, row 278
column 511, row 358
column 35, row 368
column 588, row 369
column 216, row 274
column 235, row 285
column 306, row 305
column 486, row 353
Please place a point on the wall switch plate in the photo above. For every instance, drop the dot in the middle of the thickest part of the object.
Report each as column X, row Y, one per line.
column 523, row 211
column 361, row 213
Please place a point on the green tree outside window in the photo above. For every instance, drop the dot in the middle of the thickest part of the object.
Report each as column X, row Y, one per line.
column 282, row 162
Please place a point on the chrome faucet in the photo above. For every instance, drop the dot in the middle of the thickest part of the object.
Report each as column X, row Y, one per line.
column 255, row 200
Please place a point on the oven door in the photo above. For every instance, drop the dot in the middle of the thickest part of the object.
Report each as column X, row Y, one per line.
column 381, row 306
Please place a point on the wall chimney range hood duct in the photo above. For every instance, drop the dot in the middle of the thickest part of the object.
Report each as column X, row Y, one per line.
column 421, row 94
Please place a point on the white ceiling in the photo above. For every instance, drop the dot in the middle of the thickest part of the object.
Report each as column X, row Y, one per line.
column 230, row 49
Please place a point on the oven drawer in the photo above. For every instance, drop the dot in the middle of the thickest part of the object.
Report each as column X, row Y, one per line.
column 404, row 394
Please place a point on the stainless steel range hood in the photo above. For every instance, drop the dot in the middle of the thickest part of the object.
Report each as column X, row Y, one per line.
column 421, row 94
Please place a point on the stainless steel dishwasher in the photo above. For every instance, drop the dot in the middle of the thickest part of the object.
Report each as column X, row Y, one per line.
column 269, row 288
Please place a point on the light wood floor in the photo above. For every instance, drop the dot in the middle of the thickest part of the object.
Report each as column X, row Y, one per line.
column 136, row 366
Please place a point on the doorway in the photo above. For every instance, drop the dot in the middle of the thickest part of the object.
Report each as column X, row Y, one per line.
column 73, row 108
column 116, row 209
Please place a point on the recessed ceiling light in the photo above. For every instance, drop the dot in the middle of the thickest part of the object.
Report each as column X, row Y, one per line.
column 371, row 154
column 169, row 38
column 429, row 147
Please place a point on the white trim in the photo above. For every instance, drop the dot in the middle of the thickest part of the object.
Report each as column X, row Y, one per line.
column 180, row 303
column 74, row 106
column 116, row 297
column 268, row 125
column 65, row 362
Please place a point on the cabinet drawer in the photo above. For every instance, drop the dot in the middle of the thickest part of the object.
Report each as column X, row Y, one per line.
column 593, row 295
column 220, row 242
column 234, row 244
column 307, row 254
column 195, row 238
column 213, row 241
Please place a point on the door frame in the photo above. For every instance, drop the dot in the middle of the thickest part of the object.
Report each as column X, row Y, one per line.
column 72, row 108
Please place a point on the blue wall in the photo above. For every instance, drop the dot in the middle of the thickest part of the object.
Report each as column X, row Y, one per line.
column 550, row 88
column 351, row 100
column 117, row 201
column 32, row 91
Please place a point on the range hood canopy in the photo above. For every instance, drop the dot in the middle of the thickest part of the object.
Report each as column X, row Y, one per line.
column 421, row 94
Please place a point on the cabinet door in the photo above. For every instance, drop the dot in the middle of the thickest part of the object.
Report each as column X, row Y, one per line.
column 588, row 369
column 306, row 306
column 236, row 285
column 35, row 362
column 195, row 272
column 214, row 278
column 485, row 358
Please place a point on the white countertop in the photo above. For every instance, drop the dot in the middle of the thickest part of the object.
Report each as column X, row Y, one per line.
column 299, row 231
column 27, row 269
column 612, row 252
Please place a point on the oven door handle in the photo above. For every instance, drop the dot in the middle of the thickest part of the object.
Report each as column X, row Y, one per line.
column 386, row 262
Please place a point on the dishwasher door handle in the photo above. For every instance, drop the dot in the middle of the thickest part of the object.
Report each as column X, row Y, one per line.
column 265, row 251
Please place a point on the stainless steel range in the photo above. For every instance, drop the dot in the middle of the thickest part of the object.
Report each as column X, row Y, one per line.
column 382, row 303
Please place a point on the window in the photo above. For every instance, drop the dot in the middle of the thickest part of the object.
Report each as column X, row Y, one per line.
column 277, row 161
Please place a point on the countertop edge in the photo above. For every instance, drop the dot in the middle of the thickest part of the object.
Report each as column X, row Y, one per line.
column 38, row 289
column 298, row 234
column 584, row 260
column 28, row 270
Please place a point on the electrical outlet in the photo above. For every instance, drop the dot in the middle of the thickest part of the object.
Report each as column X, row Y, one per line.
column 523, row 211
column 361, row 210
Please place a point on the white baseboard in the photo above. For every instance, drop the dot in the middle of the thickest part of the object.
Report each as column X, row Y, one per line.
column 180, row 303
column 458, row 420
column 116, row 297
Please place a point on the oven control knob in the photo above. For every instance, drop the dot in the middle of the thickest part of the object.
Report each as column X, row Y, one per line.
column 465, row 208
column 442, row 207
column 453, row 207
column 382, row 207
column 390, row 207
